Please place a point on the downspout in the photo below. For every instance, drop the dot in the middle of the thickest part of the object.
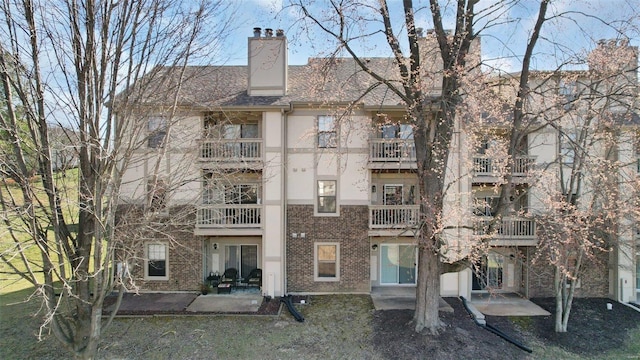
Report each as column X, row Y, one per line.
column 284, row 132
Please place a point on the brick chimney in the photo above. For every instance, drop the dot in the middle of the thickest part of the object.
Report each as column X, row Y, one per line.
column 267, row 63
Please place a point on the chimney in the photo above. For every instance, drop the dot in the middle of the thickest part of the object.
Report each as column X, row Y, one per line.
column 267, row 63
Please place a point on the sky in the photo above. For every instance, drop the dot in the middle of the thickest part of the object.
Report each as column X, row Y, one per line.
column 574, row 29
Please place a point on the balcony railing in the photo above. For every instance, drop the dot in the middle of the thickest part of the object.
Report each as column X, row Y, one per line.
column 487, row 166
column 393, row 216
column 392, row 150
column 508, row 228
column 231, row 150
column 229, row 216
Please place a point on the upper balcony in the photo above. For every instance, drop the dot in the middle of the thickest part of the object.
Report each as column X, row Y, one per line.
column 509, row 231
column 229, row 219
column 392, row 153
column 232, row 153
column 486, row 169
column 393, row 219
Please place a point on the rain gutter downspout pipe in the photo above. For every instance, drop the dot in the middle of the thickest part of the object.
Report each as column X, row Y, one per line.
column 493, row 329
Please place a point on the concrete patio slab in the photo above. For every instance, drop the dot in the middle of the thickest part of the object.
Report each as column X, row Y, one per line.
column 231, row 303
column 154, row 302
column 506, row 305
column 399, row 298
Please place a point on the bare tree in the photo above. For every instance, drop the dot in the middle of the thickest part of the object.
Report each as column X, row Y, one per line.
column 61, row 62
column 432, row 116
column 590, row 208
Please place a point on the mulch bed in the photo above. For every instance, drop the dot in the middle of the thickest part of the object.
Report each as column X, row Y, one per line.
column 592, row 328
column 394, row 337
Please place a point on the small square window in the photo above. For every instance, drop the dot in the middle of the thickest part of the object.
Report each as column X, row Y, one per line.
column 327, row 262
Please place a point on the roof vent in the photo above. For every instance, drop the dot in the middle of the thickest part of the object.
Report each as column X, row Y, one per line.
column 257, row 32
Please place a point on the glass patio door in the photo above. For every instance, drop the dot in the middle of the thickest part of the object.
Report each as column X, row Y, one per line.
column 242, row 257
column 491, row 273
column 398, row 264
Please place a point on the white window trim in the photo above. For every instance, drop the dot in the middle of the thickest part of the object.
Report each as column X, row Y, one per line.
column 155, row 126
column 315, row 262
column 315, row 197
column 146, row 262
column 334, row 131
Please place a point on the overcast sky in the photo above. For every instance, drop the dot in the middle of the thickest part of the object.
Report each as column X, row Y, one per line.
column 564, row 39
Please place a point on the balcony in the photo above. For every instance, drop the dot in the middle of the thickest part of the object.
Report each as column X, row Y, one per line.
column 392, row 151
column 229, row 217
column 393, row 216
column 510, row 230
column 231, row 151
column 485, row 166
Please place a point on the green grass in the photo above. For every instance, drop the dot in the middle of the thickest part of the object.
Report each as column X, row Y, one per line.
column 10, row 281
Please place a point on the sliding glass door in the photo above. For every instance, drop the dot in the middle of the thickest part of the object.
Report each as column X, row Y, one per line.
column 398, row 264
column 242, row 257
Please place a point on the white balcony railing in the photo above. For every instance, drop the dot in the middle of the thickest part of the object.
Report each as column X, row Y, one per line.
column 393, row 216
column 514, row 228
column 231, row 150
column 230, row 216
column 487, row 166
column 392, row 150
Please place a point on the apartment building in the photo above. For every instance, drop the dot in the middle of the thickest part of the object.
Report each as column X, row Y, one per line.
column 309, row 174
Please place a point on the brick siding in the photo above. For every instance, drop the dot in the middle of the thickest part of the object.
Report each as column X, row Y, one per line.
column 350, row 230
column 594, row 282
column 175, row 229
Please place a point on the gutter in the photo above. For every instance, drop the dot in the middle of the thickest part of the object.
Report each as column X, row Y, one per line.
column 479, row 319
column 285, row 121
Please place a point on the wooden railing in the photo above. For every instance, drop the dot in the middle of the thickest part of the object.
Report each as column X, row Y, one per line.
column 392, row 150
column 393, row 216
column 486, row 166
column 229, row 216
column 507, row 228
column 231, row 150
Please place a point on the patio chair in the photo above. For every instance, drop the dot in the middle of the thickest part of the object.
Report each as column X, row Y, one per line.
column 254, row 278
column 230, row 276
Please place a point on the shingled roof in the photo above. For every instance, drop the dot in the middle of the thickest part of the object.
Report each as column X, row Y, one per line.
column 321, row 80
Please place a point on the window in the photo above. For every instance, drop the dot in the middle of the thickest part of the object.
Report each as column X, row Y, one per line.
column 393, row 195
column 327, row 196
column 636, row 147
column 157, row 192
column 327, row 266
column 157, row 132
column 156, row 267
column 396, row 131
column 327, row 135
column 568, row 147
column 486, row 206
column 567, row 90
